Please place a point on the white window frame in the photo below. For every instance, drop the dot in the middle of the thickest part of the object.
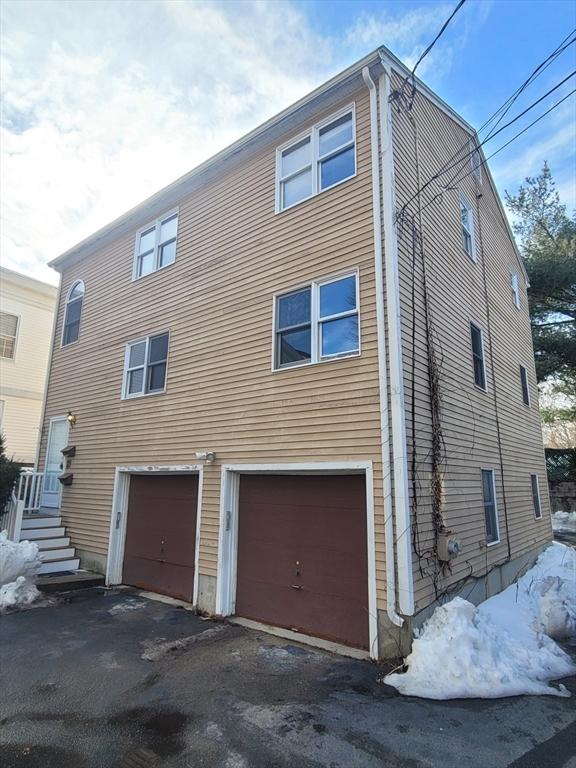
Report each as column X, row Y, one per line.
column 313, row 134
column 515, row 286
column 66, row 305
column 538, row 496
column 475, row 160
column 316, row 322
column 464, row 203
column 156, row 225
column 127, row 369
column 12, row 358
column 497, row 525
column 524, row 379
column 485, row 387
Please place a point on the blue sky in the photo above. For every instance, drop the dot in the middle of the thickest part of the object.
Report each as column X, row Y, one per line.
column 106, row 102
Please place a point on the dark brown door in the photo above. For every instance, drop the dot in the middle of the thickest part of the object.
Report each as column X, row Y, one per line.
column 161, row 534
column 302, row 554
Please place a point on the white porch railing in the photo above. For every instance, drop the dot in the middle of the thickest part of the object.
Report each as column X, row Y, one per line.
column 12, row 518
column 29, row 489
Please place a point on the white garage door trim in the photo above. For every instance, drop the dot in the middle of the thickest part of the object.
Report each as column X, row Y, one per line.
column 228, row 529
column 117, row 539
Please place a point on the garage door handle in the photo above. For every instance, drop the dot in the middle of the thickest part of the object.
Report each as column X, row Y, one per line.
column 296, row 586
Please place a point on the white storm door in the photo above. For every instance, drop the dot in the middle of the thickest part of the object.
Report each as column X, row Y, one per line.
column 54, row 465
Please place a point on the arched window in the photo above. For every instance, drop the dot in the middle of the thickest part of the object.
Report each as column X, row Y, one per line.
column 74, row 301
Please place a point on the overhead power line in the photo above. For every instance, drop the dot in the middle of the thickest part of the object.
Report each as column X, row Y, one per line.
column 516, row 136
column 492, row 135
column 438, row 36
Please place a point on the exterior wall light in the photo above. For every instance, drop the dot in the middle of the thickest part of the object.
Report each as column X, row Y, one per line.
column 71, row 418
column 208, row 456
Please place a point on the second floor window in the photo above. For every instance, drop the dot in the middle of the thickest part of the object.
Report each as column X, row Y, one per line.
column 145, row 366
column 536, row 496
column 477, row 339
column 317, row 322
column 467, row 220
column 156, row 245
column 73, row 313
column 515, row 289
column 8, row 333
column 323, row 158
column 524, row 385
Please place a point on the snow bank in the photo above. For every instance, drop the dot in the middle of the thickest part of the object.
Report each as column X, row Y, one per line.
column 19, row 565
column 564, row 522
column 504, row 647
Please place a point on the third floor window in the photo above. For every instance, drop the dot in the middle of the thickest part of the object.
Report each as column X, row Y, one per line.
column 156, row 245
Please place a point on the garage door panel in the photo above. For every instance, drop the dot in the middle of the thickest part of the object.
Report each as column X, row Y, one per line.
column 302, row 554
column 159, row 553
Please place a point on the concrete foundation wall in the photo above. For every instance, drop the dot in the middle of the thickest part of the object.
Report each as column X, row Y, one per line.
column 207, row 594
column 92, row 561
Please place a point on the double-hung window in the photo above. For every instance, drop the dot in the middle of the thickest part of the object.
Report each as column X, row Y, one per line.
column 317, row 322
column 490, row 508
column 536, row 496
column 145, row 366
column 515, row 289
column 477, row 339
column 524, row 385
column 324, row 157
column 73, row 314
column 467, row 220
column 8, row 333
column 156, row 245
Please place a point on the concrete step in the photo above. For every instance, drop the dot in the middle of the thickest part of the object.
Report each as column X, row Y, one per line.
column 59, row 566
column 36, row 521
column 62, row 553
column 62, row 541
column 33, row 534
column 62, row 582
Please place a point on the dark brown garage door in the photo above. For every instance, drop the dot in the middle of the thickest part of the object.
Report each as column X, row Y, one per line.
column 161, row 534
column 302, row 554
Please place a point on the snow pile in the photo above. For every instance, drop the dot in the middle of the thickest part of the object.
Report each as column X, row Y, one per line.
column 504, row 647
column 19, row 565
column 564, row 522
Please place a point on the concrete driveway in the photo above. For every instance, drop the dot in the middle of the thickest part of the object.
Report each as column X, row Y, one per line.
column 108, row 679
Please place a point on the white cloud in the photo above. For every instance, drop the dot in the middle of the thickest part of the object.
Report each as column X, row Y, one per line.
column 106, row 102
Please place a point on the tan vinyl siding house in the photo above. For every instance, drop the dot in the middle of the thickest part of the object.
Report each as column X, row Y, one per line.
column 294, row 428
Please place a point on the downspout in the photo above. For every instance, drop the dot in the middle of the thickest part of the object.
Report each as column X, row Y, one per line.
column 397, row 404
column 382, row 374
column 47, row 377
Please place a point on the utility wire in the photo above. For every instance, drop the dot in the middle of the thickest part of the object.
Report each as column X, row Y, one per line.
column 504, row 108
column 485, row 160
column 488, row 138
column 438, row 36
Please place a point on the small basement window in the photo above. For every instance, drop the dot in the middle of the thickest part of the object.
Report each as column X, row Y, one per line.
column 536, row 496
column 317, row 322
column 145, row 366
column 156, row 245
column 8, row 334
column 316, row 161
column 477, row 338
column 467, row 221
column 490, row 508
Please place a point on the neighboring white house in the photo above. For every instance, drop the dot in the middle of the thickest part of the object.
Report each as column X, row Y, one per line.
column 26, row 317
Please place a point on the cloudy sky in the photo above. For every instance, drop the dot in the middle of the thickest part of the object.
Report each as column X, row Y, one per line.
column 105, row 102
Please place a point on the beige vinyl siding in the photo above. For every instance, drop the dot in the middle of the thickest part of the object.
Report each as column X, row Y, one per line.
column 457, row 296
column 233, row 254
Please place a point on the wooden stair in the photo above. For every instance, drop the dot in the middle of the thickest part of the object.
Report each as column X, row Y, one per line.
column 54, row 546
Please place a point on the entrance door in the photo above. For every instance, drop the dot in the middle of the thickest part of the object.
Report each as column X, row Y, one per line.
column 54, row 464
column 302, row 554
column 160, row 547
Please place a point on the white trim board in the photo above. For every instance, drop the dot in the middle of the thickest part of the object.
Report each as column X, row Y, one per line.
column 228, row 528
column 119, row 517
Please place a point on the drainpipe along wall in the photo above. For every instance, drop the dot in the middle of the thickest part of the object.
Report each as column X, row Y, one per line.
column 397, row 404
column 382, row 373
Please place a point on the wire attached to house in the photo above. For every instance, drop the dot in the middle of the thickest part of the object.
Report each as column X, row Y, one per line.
column 412, row 74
